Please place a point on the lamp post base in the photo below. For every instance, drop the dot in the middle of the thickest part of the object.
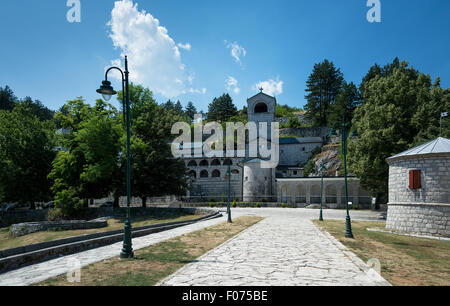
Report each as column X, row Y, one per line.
column 127, row 250
column 348, row 228
column 321, row 215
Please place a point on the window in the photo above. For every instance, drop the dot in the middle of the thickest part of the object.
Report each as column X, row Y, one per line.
column 228, row 162
column 204, row 163
column 216, row 173
column 261, row 108
column 215, row 162
column 295, row 172
column 192, row 163
column 193, row 174
column 415, row 179
column 204, row 174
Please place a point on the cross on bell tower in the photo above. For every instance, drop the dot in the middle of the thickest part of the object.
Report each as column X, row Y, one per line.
column 261, row 89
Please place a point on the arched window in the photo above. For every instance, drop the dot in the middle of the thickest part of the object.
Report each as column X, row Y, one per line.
column 193, row 174
column 261, row 108
column 215, row 162
column 192, row 163
column 228, row 162
column 235, row 175
column 204, row 163
column 216, row 173
column 204, row 174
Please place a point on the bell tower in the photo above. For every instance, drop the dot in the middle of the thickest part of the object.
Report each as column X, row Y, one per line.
column 261, row 108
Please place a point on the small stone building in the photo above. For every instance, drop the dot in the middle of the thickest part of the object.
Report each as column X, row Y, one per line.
column 419, row 190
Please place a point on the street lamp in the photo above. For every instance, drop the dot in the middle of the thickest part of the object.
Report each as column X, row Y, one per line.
column 344, row 127
column 107, row 92
column 321, row 193
column 229, row 191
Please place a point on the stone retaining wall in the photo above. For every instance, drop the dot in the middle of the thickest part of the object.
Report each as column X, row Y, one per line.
column 422, row 219
column 23, row 229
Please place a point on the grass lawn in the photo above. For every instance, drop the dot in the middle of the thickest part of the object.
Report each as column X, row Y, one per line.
column 158, row 261
column 405, row 261
column 8, row 242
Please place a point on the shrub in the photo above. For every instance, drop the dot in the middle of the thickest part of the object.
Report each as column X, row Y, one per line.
column 234, row 205
column 55, row 214
column 258, row 205
column 212, row 200
column 211, row 204
column 283, row 205
column 68, row 204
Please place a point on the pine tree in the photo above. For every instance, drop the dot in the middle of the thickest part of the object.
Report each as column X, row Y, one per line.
column 323, row 86
column 191, row 111
column 222, row 109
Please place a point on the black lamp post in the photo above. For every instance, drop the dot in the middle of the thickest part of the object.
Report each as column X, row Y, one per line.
column 107, row 92
column 344, row 127
column 229, row 190
column 321, row 193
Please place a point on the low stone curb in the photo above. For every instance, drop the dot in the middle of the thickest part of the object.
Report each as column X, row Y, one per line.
column 379, row 280
column 407, row 234
column 27, row 255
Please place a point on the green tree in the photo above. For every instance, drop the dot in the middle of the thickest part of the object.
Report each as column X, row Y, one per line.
column 91, row 163
column 191, row 111
column 155, row 171
column 323, row 86
column 387, row 121
column 346, row 102
column 222, row 109
column 26, row 155
column 7, row 98
column 427, row 117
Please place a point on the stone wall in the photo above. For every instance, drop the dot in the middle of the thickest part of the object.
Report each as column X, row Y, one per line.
column 23, row 229
column 421, row 219
column 306, row 132
column 435, row 178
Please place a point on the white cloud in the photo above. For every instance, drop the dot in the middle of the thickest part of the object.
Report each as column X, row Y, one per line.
column 232, row 84
column 271, row 87
column 237, row 52
column 197, row 91
column 186, row 46
column 154, row 58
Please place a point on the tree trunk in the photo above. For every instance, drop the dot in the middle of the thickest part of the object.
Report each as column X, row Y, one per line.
column 144, row 202
column 116, row 203
column 92, row 202
column 32, row 205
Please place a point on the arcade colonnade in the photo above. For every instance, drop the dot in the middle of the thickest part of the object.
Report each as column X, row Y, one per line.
column 307, row 191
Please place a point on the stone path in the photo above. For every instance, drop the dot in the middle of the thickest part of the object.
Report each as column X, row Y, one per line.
column 281, row 250
column 42, row 271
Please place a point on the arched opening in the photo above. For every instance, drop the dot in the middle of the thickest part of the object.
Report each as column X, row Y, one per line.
column 204, row 174
column 235, row 175
column 331, row 194
column 192, row 163
column 215, row 162
column 204, row 163
column 364, row 197
column 301, row 194
column 350, row 195
column 261, row 108
column 315, row 194
column 216, row 173
column 228, row 162
column 285, row 194
column 193, row 174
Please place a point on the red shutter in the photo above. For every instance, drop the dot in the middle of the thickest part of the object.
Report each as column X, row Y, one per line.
column 411, row 179
column 415, row 179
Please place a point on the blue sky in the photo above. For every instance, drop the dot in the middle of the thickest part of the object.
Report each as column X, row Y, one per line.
column 46, row 57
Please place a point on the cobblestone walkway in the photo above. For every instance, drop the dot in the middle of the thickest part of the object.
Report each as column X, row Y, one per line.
column 283, row 249
column 42, row 271
column 278, row 251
